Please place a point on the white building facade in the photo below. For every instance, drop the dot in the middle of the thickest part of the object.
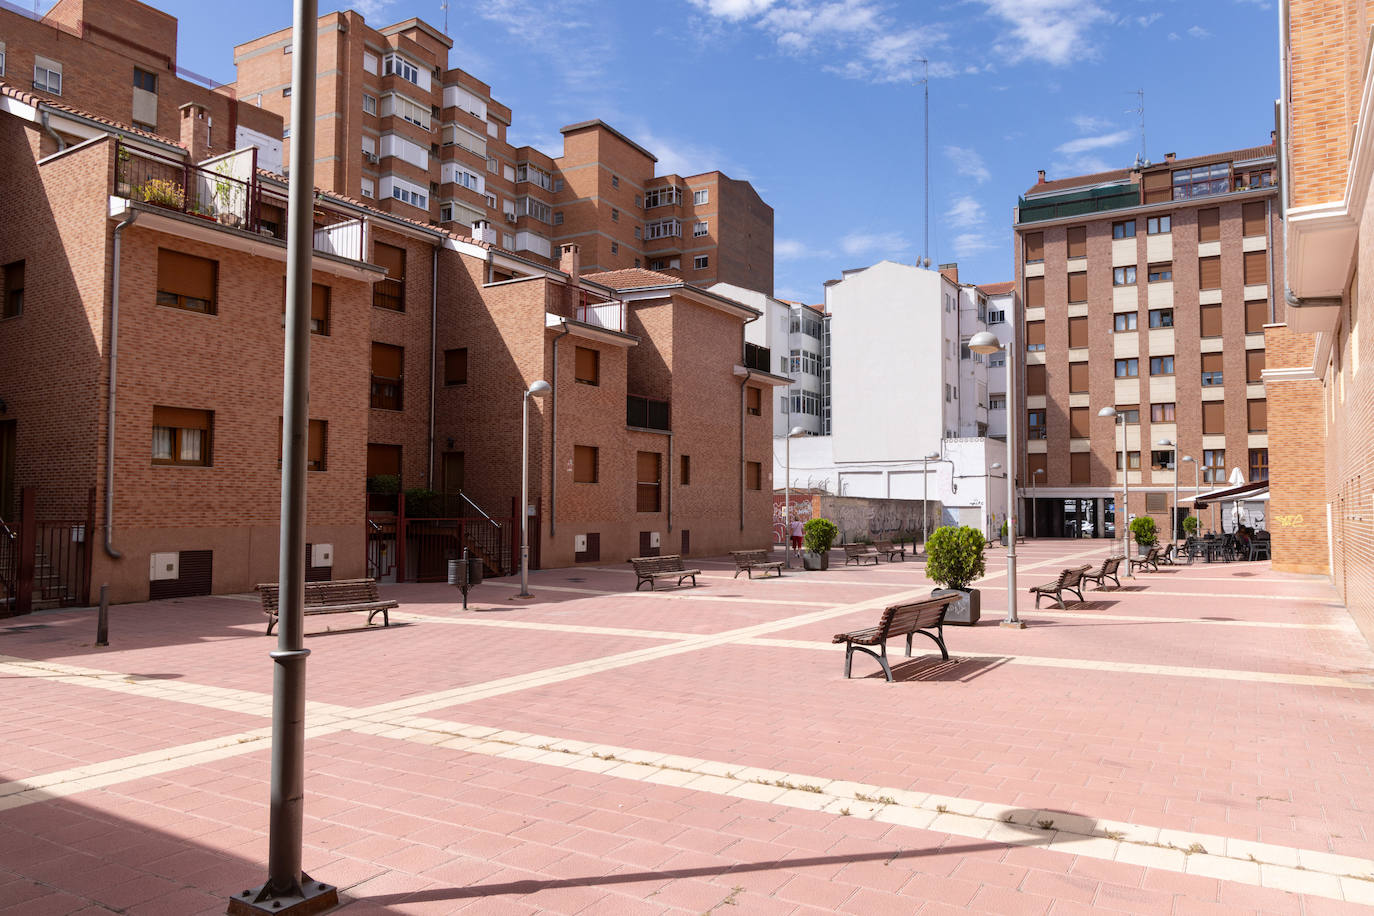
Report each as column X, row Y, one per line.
column 796, row 336
column 1001, row 320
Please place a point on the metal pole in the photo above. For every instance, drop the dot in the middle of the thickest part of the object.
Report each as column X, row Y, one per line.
column 1125, row 498
column 1012, row 620
column 1173, row 515
column 288, row 889
column 525, row 497
column 925, row 495
column 102, row 624
column 787, row 507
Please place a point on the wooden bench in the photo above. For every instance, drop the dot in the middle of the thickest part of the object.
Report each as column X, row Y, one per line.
column 1108, row 570
column 1070, row 580
column 1151, row 560
column 857, row 553
column 890, row 550
column 746, row 561
column 926, row 617
column 651, row 569
column 344, row 596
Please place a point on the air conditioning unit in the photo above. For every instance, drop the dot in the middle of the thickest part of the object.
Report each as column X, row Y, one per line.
column 370, row 157
column 510, row 217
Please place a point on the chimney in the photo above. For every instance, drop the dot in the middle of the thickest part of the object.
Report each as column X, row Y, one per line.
column 950, row 272
column 570, row 260
column 1169, row 157
column 1041, row 179
column 1273, row 136
column 483, row 232
column 195, row 130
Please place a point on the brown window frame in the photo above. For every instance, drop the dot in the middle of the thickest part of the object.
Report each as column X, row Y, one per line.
column 583, row 358
column 648, row 492
column 1132, row 460
column 1036, row 430
column 1204, row 267
column 753, row 475
column 171, row 298
column 455, row 367
column 580, row 454
column 1127, row 360
column 1080, row 468
column 1035, row 329
column 1259, row 464
column 1159, row 361
column 1250, row 407
column 684, row 477
column 12, row 293
column 1256, row 305
column 1162, row 272
column 1251, row 357
column 1076, row 242
column 1213, row 410
column 1163, row 412
column 1124, row 275
column 1213, row 378
column 176, row 419
column 1080, row 423
column 381, row 399
column 1251, row 262
column 1078, row 332
column 1035, row 247
column 389, row 292
column 753, row 401
column 1079, row 378
column 1209, row 224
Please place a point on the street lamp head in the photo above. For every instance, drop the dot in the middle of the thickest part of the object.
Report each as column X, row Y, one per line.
column 984, row 342
column 996, row 465
column 933, row 456
column 796, row 431
column 1107, row 412
column 1169, row 442
column 1187, row 458
column 1038, row 471
column 538, row 389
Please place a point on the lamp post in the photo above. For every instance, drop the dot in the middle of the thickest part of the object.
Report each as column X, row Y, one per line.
column 1124, row 519
column 987, row 492
column 1035, row 507
column 925, row 494
column 986, row 342
column 793, row 433
column 538, row 390
column 1195, row 486
column 1173, row 513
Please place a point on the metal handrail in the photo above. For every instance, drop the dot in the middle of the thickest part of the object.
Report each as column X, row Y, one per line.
column 464, row 497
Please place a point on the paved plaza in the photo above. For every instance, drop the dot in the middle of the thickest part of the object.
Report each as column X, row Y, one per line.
column 1197, row 742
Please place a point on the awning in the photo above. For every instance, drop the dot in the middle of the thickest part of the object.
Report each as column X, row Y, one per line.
column 1244, row 493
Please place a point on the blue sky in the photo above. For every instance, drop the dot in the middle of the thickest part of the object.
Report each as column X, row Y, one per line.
column 817, row 102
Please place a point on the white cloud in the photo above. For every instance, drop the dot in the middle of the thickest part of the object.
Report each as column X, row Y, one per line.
column 965, row 213
column 1101, row 141
column 968, row 244
column 733, row 10
column 1091, row 123
column 1052, row 31
column 371, row 10
column 795, row 250
column 968, row 163
column 884, row 243
column 1198, row 31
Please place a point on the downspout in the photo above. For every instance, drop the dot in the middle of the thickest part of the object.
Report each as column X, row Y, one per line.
column 433, row 357
column 553, row 432
column 670, row 478
column 110, row 399
column 748, row 374
column 61, row 144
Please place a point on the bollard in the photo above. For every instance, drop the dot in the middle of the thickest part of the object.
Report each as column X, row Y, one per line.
column 102, row 623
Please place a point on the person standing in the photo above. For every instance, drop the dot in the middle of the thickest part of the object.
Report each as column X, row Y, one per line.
column 796, row 533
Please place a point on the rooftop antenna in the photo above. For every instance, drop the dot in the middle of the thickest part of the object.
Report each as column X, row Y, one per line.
column 443, row 5
column 925, row 84
column 1142, row 159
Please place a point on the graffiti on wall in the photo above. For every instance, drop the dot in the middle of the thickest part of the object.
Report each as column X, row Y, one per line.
column 801, row 509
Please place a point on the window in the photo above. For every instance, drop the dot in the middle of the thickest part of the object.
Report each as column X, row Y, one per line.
column 700, row 229
column 1213, row 418
column 47, row 75
column 1079, row 425
column 1209, row 225
column 398, row 65
column 390, row 292
column 286, row 93
column 456, row 366
column 1214, row 465
column 615, row 215
column 492, row 165
column 286, row 132
column 587, row 366
column 1161, row 318
column 1259, row 464
column 1211, row 370
column 1254, row 365
column 1078, row 287
column 316, row 444
column 1209, row 273
column 1126, row 321
column 1035, row 246
column 1257, row 413
column 1035, row 292
column 585, row 463
column 1080, row 467
column 1132, row 461
column 701, row 197
column 647, row 477
column 1123, row 276
column 1124, row 229
column 663, row 229
column 13, row 290
column 369, row 104
column 2, row 58
column 753, row 475
column 1127, row 368
column 1202, row 181
column 387, row 363
column 1256, row 316
column 1035, row 335
column 368, row 189
column 1078, row 331
column 615, row 248
column 1158, row 225
column 639, row 233
column 997, row 316
column 1077, row 238
column 409, row 194
column 1161, row 413
column 1078, row 378
column 186, row 282
column 1256, row 267
column 145, row 80
column 1209, row 320
column 1035, row 424
column 615, row 182
column 1035, row 380
column 753, row 402
column 1160, row 272
column 1128, row 413
column 1252, row 219
column 949, row 393
column 997, row 402
column 997, row 360
column 684, row 477
column 701, row 262
column 319, row 309
column 182, row 437
column 662, row 197
column 1161, row 365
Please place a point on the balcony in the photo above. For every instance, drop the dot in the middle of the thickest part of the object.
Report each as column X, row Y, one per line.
column 225, row 190
column 579, row 304
column 758, row 358
column 647, row 413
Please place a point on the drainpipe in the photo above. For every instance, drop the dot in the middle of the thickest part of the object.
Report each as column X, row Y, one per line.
column 433, row 368
column 748, row 374
column 110, row 399
column 670, row 478
column 61, row 144
column 553, row 432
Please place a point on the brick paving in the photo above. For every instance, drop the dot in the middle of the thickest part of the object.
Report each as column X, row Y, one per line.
column 1197, row 742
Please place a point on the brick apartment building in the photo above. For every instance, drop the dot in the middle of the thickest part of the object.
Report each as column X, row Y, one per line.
column 400, row 127
column 121, row 248
column 1147, row 290
column 1323, row 423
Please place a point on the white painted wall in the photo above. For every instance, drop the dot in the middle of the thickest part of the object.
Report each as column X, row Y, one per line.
column 997, row 377
column 773, row 331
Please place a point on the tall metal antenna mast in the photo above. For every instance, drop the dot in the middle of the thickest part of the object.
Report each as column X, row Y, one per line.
column 925, row 84
column 444, row 6
column 1140, row 110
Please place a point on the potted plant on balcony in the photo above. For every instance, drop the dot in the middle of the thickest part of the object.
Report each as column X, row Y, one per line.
column 162, row 192
column 818, row 535
column 954, row 560
column 230, row 196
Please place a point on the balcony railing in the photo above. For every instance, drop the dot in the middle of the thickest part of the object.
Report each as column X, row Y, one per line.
column 648, row 413
column 756, row 357
column 579, row 304
column 227, row 193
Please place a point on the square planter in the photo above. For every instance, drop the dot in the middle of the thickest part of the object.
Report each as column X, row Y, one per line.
column 966, row 611
column 815, row 561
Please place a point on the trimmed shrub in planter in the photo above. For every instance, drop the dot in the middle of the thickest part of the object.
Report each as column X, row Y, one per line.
column 954, row 559
column 818, row 535
column 1144, row 531
column 1191, row 525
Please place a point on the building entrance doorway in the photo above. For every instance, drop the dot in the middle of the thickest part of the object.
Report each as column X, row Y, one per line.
column 8, row 438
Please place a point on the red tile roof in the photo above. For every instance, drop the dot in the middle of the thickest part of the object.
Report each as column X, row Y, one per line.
column 28, row 98
column 634, row 278
column 997, row 289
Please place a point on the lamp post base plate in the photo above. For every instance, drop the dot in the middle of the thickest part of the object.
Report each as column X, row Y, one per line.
column 1013, row 624
column 309, row 898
